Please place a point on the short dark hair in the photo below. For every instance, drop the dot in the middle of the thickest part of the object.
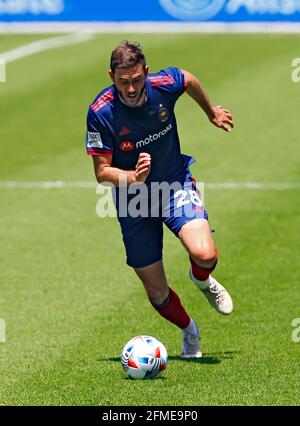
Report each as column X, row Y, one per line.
column 127, row 55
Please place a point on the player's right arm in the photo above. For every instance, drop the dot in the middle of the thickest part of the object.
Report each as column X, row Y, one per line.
column 100, row 145
column 104, row 171
column 218, row 115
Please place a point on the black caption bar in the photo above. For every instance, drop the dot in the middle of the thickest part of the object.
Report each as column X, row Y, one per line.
column 104, row 415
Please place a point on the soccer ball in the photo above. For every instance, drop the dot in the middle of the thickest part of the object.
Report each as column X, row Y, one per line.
column 144, row 357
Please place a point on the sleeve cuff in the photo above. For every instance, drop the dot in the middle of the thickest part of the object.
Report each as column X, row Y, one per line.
column 99, row 152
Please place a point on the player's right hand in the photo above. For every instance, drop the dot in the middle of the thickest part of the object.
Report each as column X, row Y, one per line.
column 142, row 168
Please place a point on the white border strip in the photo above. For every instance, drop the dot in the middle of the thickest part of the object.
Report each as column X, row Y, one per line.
column 146, row 27
column 92, row 185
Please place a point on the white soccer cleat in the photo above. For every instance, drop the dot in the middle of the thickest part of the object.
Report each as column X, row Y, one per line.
column 191, row 345
column 215, row 293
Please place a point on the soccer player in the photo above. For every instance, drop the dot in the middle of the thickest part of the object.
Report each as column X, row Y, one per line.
column 133, row 140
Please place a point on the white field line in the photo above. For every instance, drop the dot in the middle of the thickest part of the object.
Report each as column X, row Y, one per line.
column 43, row 45
column 47, row 185
column 254, row 185
column 92, row 185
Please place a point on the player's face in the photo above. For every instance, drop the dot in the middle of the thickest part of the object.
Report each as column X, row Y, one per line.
column 131, row 84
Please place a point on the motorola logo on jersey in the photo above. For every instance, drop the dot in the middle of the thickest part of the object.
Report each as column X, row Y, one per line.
column 154, row 137
column 127, row 146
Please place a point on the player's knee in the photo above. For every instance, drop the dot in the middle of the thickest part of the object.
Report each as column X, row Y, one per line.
column 157, row 296
column 204, row 256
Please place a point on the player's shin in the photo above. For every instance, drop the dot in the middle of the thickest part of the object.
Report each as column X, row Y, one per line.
column 202, row 273
column 172, row 310
column 215, row 293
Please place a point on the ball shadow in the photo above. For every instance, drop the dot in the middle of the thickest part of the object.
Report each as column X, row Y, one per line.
column 209, row 358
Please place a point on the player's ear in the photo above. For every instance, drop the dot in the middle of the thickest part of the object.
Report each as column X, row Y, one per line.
column 112, row 76
column 146, row 69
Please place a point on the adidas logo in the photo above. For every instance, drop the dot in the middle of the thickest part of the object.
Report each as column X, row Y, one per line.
column 124, row 131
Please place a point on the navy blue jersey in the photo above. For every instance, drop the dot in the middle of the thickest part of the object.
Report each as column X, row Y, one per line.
column 116, row 129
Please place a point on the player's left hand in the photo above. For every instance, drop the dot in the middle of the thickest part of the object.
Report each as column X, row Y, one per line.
column 222, row 118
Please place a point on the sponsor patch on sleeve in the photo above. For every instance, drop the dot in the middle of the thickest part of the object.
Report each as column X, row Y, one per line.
column 94, row 140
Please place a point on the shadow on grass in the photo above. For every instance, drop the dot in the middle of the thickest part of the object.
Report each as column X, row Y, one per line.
column 145, row 379
column 204, row 360
column 209, row 358
column 223, row 355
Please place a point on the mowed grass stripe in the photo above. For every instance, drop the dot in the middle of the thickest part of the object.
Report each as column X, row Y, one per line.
column 74, row 348
column 254, row 86
column 239, row 152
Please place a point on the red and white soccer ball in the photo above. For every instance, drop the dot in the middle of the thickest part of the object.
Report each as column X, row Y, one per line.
column 144, row 357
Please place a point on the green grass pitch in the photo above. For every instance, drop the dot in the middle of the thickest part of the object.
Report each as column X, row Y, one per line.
column 69, row 301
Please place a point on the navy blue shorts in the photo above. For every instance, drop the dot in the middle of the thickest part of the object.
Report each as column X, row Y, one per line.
column 143, row 236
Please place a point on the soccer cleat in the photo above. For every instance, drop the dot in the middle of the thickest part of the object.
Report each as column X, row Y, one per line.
column 215, row 293
column 191, row 345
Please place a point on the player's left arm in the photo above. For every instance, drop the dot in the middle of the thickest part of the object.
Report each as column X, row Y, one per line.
column 218, row 115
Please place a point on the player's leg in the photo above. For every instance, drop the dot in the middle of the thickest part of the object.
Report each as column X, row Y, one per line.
column 155, row 282
column 188, row 220
column 196, row 236
column 143, row 239
column 168, row 305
